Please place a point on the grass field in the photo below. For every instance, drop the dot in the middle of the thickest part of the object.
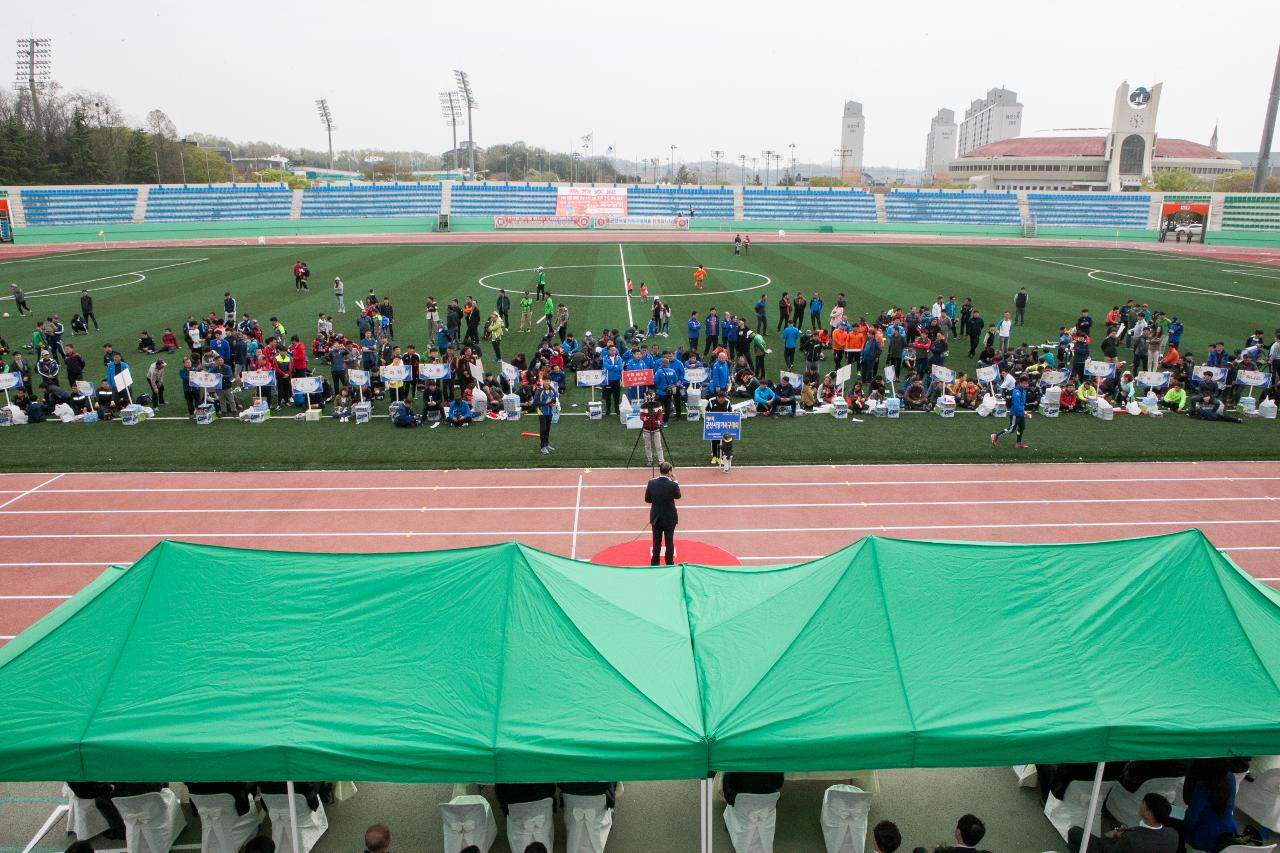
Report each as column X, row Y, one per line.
column 155, row 288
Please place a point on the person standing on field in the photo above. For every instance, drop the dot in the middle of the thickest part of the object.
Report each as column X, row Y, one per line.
column 1020, row 306
column 86, row 309
column 337, row 294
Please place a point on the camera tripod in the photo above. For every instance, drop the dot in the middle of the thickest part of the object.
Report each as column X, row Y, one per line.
column 666, row 450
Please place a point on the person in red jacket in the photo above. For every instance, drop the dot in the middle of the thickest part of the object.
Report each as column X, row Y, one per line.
column 297, row 357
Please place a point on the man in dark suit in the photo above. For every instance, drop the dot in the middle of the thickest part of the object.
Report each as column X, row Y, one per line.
column 1151, row 835
column 969, row 832
column 662, row 493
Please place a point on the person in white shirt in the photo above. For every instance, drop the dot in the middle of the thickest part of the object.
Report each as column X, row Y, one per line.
column 937, row 310
column 1003, row 330
column 337, row 294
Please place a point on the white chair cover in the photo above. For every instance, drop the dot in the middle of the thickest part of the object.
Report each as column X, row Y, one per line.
column 844, row 818
column 84, row 819
column 151, row 821
column 528, row 822
column 1259, row 798
column 587, row 821
column 1123, row 806
column 751, row 822
column 1069, row 811
column 468, row 820
column 1247, row 848
column 221, row 829
column 311, row 824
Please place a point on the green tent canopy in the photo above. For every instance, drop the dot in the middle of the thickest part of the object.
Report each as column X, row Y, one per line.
column 505, row 663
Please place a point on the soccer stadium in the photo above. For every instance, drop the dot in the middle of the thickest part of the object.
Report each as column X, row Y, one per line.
column 459, row 496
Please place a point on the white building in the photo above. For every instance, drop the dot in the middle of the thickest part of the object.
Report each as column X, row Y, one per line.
column 993, row 118
column 940, row 146
column 1112, row 159
column 852, row 132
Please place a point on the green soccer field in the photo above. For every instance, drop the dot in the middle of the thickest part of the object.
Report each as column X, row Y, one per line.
column 156, row 288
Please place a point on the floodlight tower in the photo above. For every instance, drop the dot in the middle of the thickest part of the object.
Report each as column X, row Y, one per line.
column 768, row 158
column 793, row 160
column 1268, row 128
column 468, row 98
column 451, row 109
column 717, row 155
column 843, row 154
column 742, row 165
column 35, row 69
column 326, row 118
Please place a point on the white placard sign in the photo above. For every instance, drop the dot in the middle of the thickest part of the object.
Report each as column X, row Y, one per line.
column 988, row 374
column 358, row 378
column 1103, row 369
column 9, row 380
column 85, row 388
column 890, row 373
column 1152, row 379
column 1218, row 373
column 590, row 378
column 510, row 372
column 695, row 375
column 1253, row 378
column 1053, row 377
column 433, row 371
column 123, row 379
column 394, row 372
column 844, row 374
column 307, row 385
column 258, row 378
column 795, row 380
column 943, row 374
column 477, row 370
column 203, row 379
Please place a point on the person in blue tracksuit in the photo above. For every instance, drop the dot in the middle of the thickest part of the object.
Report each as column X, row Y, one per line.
column 612, row 366
column 636, row 360
column 666, row 384
column 729, row 331
column 815, row 312
column 1017, row 415
column 761, row 322
column 695, row 327
column 790, row 336
column 718, row 376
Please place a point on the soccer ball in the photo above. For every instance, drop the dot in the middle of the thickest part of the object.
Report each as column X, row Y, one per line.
column 781, row 233
column 6, row 315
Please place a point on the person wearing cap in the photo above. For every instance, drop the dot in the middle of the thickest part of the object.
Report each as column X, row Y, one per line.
column 542, row 283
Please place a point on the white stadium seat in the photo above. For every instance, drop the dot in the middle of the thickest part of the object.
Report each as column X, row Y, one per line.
column 844, row 818
column 468, row 820
column 751, row 822
column 151, row 821
column 221, row 829
column 587, row 821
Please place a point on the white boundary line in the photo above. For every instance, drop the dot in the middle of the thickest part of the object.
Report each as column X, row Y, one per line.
column 578, row 508
column 1092, row 273
column 61, row 289
column 622, row 259
column 34, row 597
column 36, row 488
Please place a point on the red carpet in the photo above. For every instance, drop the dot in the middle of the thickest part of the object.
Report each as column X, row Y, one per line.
column 636, row 553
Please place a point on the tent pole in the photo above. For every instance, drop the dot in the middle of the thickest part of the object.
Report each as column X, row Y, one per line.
column 1093, row 808
column 704, row 814
column 293, row 817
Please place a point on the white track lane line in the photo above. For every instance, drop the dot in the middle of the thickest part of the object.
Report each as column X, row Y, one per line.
column 33, row 489
column 622, row 259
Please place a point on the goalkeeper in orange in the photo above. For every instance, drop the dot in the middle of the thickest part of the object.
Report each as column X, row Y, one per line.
column 699, row 276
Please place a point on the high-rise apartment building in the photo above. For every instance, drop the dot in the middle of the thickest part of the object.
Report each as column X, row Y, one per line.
column 852, row 131
column 940, row 147
column 993, row 118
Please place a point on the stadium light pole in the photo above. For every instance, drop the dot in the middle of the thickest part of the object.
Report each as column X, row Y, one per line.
column 716, row 155
column 742, row 166
column 768, row 158
column 755, row 169
column 35, row 69
column 451, row 109
column 1268, row 131
column 842, row 153
column 793, row 161
column 326, row 118
column 672, row 165
column 468, row 98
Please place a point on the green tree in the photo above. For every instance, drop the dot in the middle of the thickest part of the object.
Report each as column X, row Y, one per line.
column 205, row 166
column 276, row 176
column 19, row 159
column 140, row 159
column 823, row 181
column 683, row 176
column 83, row 166
column 1173, row 181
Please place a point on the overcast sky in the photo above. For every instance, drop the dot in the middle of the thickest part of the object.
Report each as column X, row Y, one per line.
column 741, row 77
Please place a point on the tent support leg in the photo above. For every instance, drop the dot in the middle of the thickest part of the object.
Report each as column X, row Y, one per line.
column 1094, row 805
column 704, row 814
column 293, row 817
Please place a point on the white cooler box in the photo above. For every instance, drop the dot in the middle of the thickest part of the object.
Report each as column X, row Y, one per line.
column 132, row 415
column 204, row 414
column 946, row 406
column 1267, row 409
column 1102, row 410
column 1051, row 403
column 362, row 412
column 892, row 407
column 511, row 406
column 595, row 411
column 839, row 409
column 693, row 401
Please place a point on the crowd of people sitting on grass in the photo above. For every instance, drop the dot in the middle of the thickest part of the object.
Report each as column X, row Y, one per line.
column 1206, row 820
column 896, row 353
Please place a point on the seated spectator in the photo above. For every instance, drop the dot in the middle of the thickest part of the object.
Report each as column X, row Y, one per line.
column 79, row 846
column 765, row 398
column 1054, row 778
column 535, row 847
column 78, row 326
column 1209, row 790
column 260, row 844
column 107, row 402
column 969, row 832
column 508, row 793
column 1126, row 390
column 342, row 405
column 856, row 399
column 1210, row 408
column 377, row 839
column 169, row 341
column 403, row 415
column 886, row 837
column 1150, row 836
column 1087, row 392
column 459, row 414
column 309, row 790
column 241, row 793
column 1174, row 399
column 808, row 396
column 786, row 398
column 915, row 397
column 1070, row 401
column 750, row 783
column 146, row 343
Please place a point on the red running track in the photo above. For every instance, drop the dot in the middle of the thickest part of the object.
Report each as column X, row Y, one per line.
column 60, row 530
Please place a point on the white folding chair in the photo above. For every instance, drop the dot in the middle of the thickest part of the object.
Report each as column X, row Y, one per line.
column 1069, row 811
column 844, row 818
column 151, row 821
column 529, row 822
column 1123, row 806
column 221, row 829
column 311, row 824
column 1258, row 796
column 751, row 821
column 587, row 821
column 468, row 820
column 84, row 818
